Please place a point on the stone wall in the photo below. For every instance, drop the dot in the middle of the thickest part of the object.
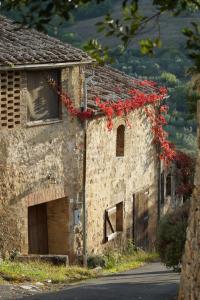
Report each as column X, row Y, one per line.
column 190, row 276
column 44, row 164
column 40, row 164
column 112, row 179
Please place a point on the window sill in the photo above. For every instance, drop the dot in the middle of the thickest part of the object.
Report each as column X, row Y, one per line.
column 41, row 123
column 112, row 236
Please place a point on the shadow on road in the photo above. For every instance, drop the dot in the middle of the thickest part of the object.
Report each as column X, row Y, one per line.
column 142, row 274
column 133, row 285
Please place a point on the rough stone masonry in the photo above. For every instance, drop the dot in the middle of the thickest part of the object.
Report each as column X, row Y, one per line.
column 190, row 277
column 43, row 178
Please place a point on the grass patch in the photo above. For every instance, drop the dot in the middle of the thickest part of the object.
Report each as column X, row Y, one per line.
column 2, row 281
column 37, row 271
column 124, row 262
column 112, row 262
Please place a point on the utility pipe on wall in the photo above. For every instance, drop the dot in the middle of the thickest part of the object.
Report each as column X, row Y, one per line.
column 87, row 80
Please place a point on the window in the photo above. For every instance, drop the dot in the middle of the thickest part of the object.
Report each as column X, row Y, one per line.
column 10, row 84
column 42, row 100
column 162, row 188
column 120, row 140
column 168, row 185
column 113, row 221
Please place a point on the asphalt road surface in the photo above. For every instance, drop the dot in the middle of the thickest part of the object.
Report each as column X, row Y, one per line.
column 151, row 282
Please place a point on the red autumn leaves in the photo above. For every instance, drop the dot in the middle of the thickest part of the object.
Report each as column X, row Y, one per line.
column 150, row 102
column 153, row 109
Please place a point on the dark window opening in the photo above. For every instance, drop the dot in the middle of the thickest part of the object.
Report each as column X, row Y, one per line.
column 168, row 185
column 113, row 221
column 120, row 140
column 162, row 188
column 42, row 101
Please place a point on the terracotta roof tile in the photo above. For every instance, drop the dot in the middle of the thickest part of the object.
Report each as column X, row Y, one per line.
column 22, row 46
column 110, row 84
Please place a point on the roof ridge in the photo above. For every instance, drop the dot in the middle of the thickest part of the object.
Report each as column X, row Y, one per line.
column 40, row 48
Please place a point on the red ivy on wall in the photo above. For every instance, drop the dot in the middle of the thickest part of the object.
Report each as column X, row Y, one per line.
column 151, row 103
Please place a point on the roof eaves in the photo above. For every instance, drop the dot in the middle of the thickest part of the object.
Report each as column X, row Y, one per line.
column 44, row 65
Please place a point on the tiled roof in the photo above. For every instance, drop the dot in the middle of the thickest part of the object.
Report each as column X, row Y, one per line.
column 111, row 84
column 22, row 46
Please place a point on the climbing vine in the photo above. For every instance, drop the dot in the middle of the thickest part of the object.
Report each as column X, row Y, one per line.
column 137, row 99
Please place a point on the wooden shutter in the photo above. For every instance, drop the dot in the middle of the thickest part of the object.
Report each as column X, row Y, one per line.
column 37, row 229
column 113, row 221
column 141, row 219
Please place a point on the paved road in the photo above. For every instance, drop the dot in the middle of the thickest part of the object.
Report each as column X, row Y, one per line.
column 151, row 282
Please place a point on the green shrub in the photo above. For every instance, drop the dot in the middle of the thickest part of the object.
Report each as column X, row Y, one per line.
column 130, row 248
column 169, row 77
column 171, row 236
column 113, row 258
column 96, row 261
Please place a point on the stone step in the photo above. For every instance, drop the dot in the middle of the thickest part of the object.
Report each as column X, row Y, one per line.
column 49, row 258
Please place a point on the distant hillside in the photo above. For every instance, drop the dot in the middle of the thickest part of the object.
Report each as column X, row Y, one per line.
column 170, row 26
column 168, row 66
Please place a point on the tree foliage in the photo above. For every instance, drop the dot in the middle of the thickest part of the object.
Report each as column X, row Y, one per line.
column 172, row 235
column 39, row 13
column 131, row 23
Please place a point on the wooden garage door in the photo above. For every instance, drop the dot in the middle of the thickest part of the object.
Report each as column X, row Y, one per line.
column 140, row 219
column 37, row 229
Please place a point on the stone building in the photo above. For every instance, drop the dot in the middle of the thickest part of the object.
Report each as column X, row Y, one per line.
column 68, row 186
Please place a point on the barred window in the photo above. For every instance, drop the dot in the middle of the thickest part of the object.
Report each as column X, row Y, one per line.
column 42, row 100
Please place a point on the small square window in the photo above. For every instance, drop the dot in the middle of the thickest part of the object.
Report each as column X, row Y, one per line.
column 42, row 101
